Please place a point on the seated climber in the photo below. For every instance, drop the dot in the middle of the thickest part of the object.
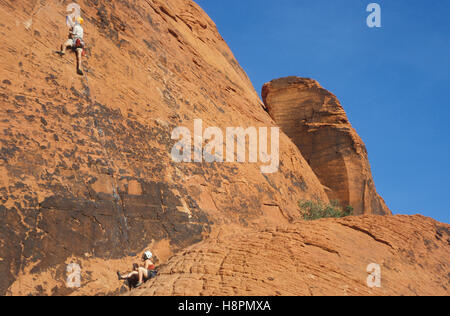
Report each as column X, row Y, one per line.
column 75, row 42
column 142, row 274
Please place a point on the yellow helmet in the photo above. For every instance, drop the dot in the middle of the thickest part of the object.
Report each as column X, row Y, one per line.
column 80, row 20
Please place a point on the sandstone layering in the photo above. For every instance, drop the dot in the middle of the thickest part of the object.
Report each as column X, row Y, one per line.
column 87, row 176
column 326, row 257
column 315, row 120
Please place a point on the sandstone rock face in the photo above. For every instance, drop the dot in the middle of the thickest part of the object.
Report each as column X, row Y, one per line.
column 315, row 120
column 87, row 176
column 325, row 257
column 86, row 170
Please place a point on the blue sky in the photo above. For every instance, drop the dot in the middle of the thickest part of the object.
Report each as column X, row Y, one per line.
column 393, row 81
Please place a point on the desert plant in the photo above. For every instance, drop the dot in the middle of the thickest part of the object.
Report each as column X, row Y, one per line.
column 313, row 210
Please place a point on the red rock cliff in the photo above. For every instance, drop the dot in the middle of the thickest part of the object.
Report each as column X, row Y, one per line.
column 87, row 177
column 315, row 120
column 85, row 162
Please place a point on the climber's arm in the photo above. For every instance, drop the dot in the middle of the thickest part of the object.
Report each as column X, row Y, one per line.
column 71, row 33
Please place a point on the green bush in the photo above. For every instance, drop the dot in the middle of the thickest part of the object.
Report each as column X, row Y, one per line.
column 313, row 210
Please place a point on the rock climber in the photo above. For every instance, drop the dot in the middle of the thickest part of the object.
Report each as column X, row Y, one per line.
column 142, row 274
column 75, row 42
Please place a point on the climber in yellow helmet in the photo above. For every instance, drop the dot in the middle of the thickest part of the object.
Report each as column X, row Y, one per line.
column 75, row 42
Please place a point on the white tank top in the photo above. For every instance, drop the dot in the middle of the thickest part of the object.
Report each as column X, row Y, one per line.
column 78, row 31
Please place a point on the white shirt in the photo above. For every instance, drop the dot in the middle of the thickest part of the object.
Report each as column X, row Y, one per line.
column 78, row 31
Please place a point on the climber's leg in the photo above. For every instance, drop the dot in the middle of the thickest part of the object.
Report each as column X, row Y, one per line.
column 64, row 46
column 79, row 56
column 127, row 276
column 143, row 273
